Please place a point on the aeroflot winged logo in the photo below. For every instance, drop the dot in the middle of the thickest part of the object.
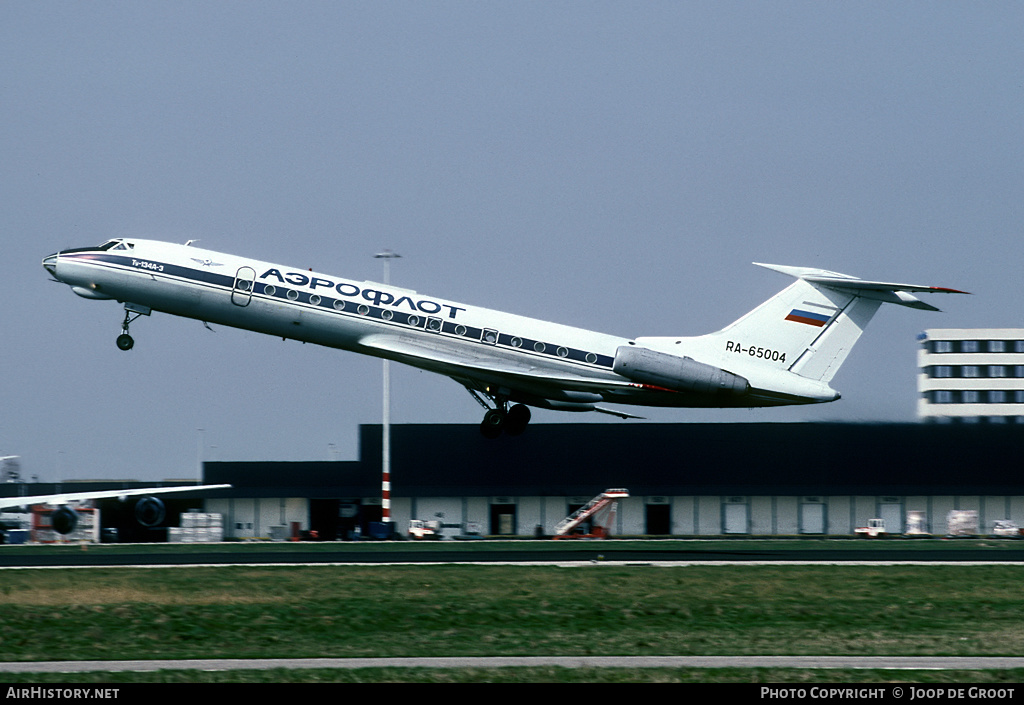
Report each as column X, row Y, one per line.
column 374, row 296
column 207, row 262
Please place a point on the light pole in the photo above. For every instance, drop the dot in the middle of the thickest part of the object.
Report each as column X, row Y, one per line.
column 385, row 453
column 199, row 455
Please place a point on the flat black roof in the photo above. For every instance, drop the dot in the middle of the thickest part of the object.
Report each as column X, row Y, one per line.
column 430, row 460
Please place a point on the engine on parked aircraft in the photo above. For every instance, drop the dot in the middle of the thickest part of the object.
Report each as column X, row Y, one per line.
column 681, row 374
column 64, row 519
column 150, row 511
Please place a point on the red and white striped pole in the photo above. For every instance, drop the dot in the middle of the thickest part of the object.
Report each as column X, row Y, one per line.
column 385, row 497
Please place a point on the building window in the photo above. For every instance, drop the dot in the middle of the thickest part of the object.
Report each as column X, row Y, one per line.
column 996, row 396
column 997, row 370
column 997, row 346
column 941, row 371
column 970, row 396
column 942, row 346
column 970, row 346
column 1018, row 346
column 970, row 371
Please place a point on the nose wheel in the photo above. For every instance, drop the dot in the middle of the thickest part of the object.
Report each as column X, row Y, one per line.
column 131, row 312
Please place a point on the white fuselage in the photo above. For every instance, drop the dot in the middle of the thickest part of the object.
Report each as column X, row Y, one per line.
column 328, row 310
column 500, row 354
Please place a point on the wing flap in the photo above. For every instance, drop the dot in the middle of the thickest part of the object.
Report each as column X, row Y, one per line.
column 450, row 361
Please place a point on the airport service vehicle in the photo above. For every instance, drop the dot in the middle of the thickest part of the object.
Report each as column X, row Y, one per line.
column 785, row 351
column 1005, row 527
column 874, row 529
column 600, row 511
column 420, row 529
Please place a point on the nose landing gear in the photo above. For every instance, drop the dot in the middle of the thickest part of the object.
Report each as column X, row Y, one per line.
column 125, row 341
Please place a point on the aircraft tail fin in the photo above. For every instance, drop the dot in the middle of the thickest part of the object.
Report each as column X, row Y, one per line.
column 818, row 318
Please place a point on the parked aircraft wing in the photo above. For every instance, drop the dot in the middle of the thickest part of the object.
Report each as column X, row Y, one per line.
column 65, row 497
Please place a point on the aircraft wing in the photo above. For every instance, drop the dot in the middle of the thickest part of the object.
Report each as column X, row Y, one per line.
column 452, row 362
column 65, row 497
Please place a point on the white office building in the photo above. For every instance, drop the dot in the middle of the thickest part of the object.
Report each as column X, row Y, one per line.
column 971, row 375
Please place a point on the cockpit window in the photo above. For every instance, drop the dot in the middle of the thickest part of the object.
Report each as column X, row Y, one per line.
column 116, row 245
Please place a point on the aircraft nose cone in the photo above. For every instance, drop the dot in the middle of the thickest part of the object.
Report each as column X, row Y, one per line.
column 50, row 264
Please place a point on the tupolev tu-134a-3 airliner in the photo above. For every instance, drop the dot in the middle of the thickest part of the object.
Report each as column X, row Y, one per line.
column 785, row 351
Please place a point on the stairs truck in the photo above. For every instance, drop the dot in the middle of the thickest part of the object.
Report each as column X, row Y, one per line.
column 601, row 510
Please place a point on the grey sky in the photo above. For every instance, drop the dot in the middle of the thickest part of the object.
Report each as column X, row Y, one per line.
column 610, row 165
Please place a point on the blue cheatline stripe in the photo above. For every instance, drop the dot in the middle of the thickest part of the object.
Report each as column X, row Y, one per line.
column 348, row 307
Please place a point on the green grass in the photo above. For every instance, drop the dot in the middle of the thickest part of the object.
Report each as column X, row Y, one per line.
column 479, row 610
column 217, row 612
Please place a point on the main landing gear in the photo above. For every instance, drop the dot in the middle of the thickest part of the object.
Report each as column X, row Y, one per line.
column 125, row 341
column 502, row 418
column 513, row 421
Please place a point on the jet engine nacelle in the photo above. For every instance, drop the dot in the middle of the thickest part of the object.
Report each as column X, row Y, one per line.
column 681, row 374
column 150, row 512
column 64, row 519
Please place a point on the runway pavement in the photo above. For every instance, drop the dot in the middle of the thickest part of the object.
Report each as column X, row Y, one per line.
column 810, row 662
column 500, row 552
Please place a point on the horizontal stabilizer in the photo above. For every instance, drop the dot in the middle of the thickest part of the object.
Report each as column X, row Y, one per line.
column 889, row 292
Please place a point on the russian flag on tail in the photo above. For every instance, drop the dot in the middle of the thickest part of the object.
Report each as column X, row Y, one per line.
column 808, row 317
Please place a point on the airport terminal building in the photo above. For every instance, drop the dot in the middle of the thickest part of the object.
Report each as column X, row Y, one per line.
column 703, row 480
column 971, row 375
column 757, row 479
